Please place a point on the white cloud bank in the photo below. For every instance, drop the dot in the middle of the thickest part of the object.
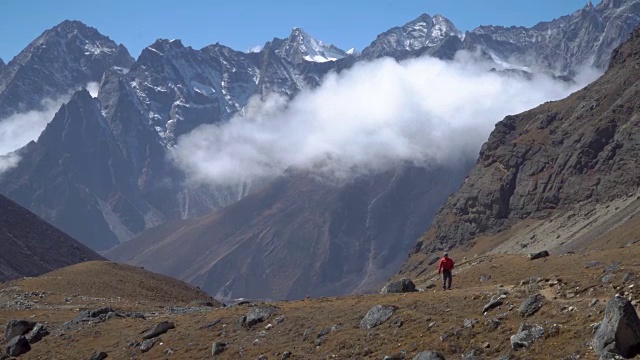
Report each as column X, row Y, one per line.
column 366, row 119
column 18, row 129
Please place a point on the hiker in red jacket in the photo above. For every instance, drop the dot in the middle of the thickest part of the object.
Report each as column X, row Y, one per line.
column 446, row 266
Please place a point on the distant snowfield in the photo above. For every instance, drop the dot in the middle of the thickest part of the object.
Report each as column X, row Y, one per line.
column 366, row 120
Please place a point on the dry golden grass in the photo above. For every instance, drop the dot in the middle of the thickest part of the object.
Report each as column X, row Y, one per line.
column 446, row 309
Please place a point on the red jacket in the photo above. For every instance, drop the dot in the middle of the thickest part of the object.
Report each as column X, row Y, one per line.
column 446, row 263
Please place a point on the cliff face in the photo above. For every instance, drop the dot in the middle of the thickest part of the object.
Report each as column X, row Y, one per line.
column 560, row 157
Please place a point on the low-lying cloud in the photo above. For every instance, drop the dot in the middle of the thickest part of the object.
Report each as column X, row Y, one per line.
column 367, row 119
column 19, row 129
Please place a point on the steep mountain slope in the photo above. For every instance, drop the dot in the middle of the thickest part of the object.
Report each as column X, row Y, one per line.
column 585, row 38
column 77, row 177
column 299, row 236
column 58, row 62
column 570, row 168
column 30, row 247
column 2, row 65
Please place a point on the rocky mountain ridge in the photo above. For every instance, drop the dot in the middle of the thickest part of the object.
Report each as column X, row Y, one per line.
column 60, row 61
column 564, row 157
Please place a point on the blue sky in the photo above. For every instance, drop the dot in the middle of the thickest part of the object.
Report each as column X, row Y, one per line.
column 243, row 24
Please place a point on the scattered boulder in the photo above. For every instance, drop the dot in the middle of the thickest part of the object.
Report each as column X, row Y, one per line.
column 619, row 331
column 17, row 346
column 259, row 314
column 492, row 304
column 608, row 278
column 401, row 286
column 306, row 334
column 286, row 355
column 377, row 315
column 485, row 278
column 469, row 323
column 218, row 347
column 538, row 255
column 158, row 330
column 527, row 335
column 429, row 355
column 96, row 313
column 18, row 327
column 37, row 333
column 148, row 344
column 99, row 355
column 321, row 340
column 531, row 305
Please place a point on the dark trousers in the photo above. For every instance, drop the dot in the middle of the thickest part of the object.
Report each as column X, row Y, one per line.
column 446, row 274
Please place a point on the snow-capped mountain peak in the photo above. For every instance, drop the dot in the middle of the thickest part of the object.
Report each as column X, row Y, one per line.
column 423, row 32
column 300, row 46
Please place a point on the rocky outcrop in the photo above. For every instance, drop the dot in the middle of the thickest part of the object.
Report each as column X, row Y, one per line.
column 17, row 328
column 401, row 286
column 377, row 315
column 557, row 156
column 159, row 329
column 531, row 305
column 17, row 346
column 258, row 314
column 526, row 335
column 619, row 331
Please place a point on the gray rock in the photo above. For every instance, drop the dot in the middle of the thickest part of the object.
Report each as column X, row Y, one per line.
column 485, row 278
column 429, row 355
column 218, row 347
column 148, row 344
column 531, row 305
column 539, row 255
column 619, row 331
column 401, row 286
column 286, row 355
column 158, row 330
column 306, row 335
column 259, row 314
column 321, row 340
column 608, row 278
column 469, row 323
column 377, row 315
column 527, row 335
column 17, row 327
column 493, row 323
column 17, row 346
column 592, row 264
column 37, row 334
column 99, row 355
column 492, row 304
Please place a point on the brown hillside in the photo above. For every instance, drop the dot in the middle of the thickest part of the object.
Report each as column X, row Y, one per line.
column 103, row 279
column 29, row 246
column 572, row 285
column 570, row 168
